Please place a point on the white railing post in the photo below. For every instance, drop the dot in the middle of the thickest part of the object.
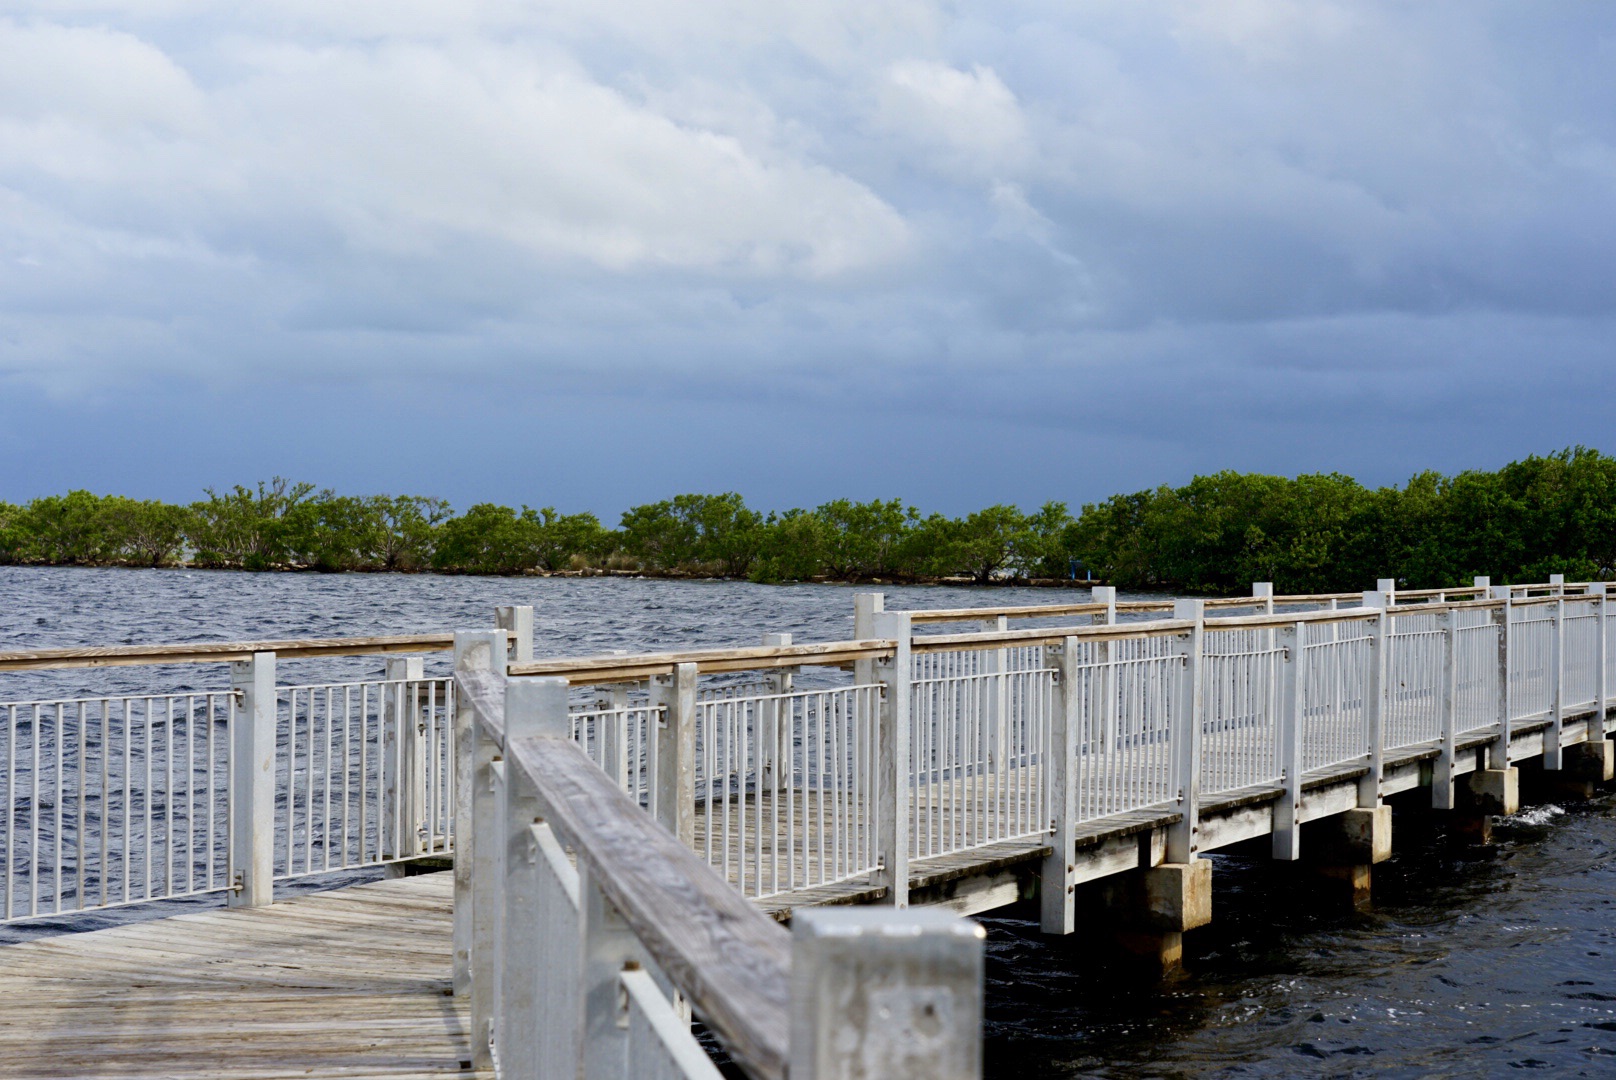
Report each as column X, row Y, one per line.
column 878, row 993
column 1387, row 587
column 1599, row 591
column 673, row 789
column 1105, row 671
column 1375, row 699
column 612, row 736
column 252, row 782
column 1556, row 584
column 1287, row 825
column 544, row 961
column 1447, row 704
column 1498, row 749
column 609, row 948
column 517, row 621
column 1183, row 838
column 772, row 717
column 1264, row 591
column 866, row 605
column 1057, row 880
column 1553, row 755
column 487, row 890
column 996, row 700
column 893, row 768
column 403, row 764
column 474, row 650
column 534, row 708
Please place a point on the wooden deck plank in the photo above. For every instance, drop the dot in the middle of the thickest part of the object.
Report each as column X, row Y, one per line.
column 353, row 983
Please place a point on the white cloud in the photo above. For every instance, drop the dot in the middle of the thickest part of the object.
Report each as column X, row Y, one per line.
column 92, row 76
column 968, row 121
column 403, row 146
column 732, row 185
column 411, row 148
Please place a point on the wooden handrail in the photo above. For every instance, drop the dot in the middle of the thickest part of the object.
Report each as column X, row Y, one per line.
column 998, row 639
column 603, row 669
column 217, row 652
column 1089, row 607
column 730, row 960
column 599, row 669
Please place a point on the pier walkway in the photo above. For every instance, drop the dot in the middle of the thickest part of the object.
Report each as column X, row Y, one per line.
column 631, row 833
column 356, row 982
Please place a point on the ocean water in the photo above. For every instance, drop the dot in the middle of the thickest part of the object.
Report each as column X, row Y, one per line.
column 1472, row 960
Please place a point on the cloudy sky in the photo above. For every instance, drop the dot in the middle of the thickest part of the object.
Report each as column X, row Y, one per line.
column 592, row 254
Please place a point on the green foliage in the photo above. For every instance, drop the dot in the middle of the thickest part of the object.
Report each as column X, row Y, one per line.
column 1541, row 515
column 147, row 532
column 492, row 539
column 12, row 534
column 865, row 540
column 254, row 529
column 1218, row 533
column 67, row 530
column 709, row 533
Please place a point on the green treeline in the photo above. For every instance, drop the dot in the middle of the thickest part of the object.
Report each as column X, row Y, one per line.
column 1215, row 534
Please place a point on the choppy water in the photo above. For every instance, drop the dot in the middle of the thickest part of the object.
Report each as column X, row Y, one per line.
column 1473, row 960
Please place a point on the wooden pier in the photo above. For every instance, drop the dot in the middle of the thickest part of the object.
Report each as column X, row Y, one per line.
column 356, row 982
column 630, row 834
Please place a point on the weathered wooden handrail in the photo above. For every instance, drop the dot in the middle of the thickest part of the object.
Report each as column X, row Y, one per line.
column 731, row 962
column 219, row 652
column 601, row 669
column 779, row 1003
column 1089, row 607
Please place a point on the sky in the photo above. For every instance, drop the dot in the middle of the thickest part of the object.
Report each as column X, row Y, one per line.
column 595, row 254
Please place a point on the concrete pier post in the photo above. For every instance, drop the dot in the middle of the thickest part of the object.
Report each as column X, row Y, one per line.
column 1342, row 850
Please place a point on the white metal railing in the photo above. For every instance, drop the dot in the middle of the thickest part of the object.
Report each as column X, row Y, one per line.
column 1580, row 642
column 1337, row 661
column 1532, row 661
column 130, row 798
column 1240, row 743
column 1476, row 645
column 1129, row 709
column 364, row 774
column 1414, row 666
column 618, row 735
column 976, row 746
column 785, row 785
column 114, row 800
column 124, row 799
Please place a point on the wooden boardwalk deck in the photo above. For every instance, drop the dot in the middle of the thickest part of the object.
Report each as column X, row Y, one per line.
column 353, row 983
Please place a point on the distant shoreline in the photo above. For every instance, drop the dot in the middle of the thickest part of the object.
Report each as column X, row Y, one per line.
column 641, row 575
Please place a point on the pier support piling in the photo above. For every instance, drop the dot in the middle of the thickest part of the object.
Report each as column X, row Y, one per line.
column 1358, row 837
column 1150, row 910
column 1583, row 767
column 1341, row 850
column 1178, row 896
column 1493, row 791
column 1594, row 760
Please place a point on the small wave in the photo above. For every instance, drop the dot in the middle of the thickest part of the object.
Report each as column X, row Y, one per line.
column 1537, row 815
